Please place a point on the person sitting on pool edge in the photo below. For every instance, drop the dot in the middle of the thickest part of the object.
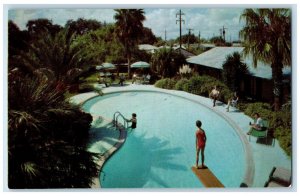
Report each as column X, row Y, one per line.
column 232, row 101
column 133, row 121
column 257, row 125
column 200, row 144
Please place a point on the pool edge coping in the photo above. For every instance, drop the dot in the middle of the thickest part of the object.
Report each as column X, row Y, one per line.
column 249, row 161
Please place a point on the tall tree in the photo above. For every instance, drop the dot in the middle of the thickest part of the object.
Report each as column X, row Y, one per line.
column 188, row 38
column 129, row 28
column 148, row 37
column 60, row 53
column 36, row 28
column 267, row 36
column 234, row 71
column 82, row 26
column 17, row 43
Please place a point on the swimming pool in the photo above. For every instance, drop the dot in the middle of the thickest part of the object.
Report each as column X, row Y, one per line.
column 159, row 153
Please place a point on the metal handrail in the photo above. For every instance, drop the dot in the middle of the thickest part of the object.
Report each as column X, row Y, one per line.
column 117, row 114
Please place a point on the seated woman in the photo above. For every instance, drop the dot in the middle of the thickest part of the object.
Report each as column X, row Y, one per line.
column 232, row 101
column 257, row 125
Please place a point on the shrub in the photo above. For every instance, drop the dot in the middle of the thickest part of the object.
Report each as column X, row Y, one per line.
column 180, row 84
column 284, row 136
column 282, row 122
column 86, row 88
column 47, row 138
column 279, row 122
column 199, row 85
column 166, row 83
column 263, row 109
column 202, row 85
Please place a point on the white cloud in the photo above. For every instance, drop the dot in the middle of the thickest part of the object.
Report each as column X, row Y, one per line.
column 206, row 20
column 60, row 16
column 160, row 20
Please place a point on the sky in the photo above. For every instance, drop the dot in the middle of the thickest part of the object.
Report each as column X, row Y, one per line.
column 207, row 21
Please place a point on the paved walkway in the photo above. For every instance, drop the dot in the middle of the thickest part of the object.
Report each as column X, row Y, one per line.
column 260, row 158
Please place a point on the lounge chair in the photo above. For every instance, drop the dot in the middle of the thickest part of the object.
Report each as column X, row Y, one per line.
column 279, row 177
column 263, row 133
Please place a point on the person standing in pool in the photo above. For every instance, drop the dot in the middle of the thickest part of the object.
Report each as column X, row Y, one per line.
column 200, row 144
column 133, row 121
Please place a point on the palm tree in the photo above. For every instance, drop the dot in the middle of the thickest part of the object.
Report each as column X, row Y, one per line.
column 60, row 54
column 129, row 28
column 166, row 62
column 267, row 36
column 234, row 71
column 47, row 137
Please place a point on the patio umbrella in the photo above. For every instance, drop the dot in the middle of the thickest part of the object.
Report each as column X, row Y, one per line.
column 108, row 65
column 140, row 64
column 98, row 67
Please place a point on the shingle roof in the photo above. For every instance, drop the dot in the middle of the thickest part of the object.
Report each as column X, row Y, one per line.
column 215, row 58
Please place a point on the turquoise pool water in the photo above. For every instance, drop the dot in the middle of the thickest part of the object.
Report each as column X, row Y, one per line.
column 159, row 153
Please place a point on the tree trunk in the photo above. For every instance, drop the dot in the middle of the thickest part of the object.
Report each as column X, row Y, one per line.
column 128, row 61
column 277, row 84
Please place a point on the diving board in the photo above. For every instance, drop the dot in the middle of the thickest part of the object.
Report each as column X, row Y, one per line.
column 207, row 178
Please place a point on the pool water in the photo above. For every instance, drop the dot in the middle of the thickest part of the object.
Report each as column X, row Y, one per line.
column 159, row 153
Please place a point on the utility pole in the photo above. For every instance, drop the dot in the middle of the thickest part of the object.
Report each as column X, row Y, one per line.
column 189, row 36
column 199, row 39
column 180, row 21
column 223, row 32
column 165, row 35
column 221, row 36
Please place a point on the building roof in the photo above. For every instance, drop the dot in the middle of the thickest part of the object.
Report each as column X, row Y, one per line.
column 148, row 47
column 215, row 58
column 207, row 45
column 184, row 52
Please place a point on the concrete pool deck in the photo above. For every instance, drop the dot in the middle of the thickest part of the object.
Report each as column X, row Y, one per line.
column 260, row 158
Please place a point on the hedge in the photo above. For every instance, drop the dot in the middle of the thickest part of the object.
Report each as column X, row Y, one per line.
column 166, row 83
column 280, row 122
column 199, row 85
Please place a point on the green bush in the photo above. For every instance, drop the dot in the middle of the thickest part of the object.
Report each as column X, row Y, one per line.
column 284, row 136
column 180, row 84
column 202, row 85
column 86, row 88
column 166, row 83
column 279, row 122
column 47, row 138
column 198, row 85
column 282, row 122
column 263, row 109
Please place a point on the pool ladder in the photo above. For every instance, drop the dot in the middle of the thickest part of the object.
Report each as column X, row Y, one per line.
column 116, row 117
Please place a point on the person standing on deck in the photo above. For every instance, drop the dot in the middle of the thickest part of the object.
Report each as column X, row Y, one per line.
column 214, row 94
column 200, row 144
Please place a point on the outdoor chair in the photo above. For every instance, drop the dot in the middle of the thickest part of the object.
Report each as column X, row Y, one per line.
column 263, row 133
column 147, row 79
column 279, row 177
